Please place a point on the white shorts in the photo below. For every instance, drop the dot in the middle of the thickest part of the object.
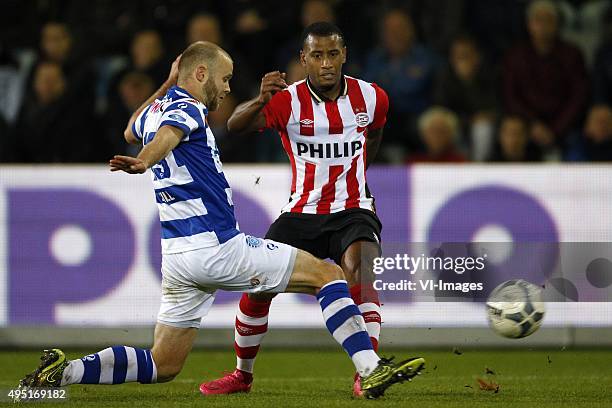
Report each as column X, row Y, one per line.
column 242, row 264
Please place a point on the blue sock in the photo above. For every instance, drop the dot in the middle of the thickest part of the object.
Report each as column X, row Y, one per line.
column 113, row 365
column 345, row 322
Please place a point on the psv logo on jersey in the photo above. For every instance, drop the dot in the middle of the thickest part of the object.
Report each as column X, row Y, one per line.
column 362, row 119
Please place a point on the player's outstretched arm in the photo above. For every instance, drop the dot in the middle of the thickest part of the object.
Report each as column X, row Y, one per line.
column 172, row 78
column 166, row 139
column 248, row 116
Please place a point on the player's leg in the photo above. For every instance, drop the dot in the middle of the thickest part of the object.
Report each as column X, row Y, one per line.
column 342, row 317
column 171, row 347
column 346, row 324
column 251, row 324
column 250, row 328
column 122, row 364
column 311, row 275
column 354, row 243
column 182, row 308
column 250, row 264
column 117, row 364
column 354, row 246
column 356, row 263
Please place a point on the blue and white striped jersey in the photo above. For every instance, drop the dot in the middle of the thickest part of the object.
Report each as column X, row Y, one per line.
column 193, row 196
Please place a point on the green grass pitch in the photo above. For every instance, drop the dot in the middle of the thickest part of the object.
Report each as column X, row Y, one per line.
column 308, row 379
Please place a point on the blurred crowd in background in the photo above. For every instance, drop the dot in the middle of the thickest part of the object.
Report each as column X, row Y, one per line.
column 468, row 80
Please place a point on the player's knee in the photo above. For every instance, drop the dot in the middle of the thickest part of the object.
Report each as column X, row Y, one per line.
column 329, row 272
column 363, row 270
column 352, row 272
column 262, row 297
column 359, row 269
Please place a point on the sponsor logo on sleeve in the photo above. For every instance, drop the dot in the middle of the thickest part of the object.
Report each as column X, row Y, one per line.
column 177, row 117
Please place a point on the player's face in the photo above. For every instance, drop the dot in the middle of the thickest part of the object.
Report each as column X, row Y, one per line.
column 217, row 87
column 323, row 57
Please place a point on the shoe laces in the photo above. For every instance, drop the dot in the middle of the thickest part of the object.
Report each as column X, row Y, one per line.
column 386, row 361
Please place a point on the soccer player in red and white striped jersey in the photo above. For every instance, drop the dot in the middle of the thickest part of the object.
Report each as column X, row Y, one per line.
column 331, row 126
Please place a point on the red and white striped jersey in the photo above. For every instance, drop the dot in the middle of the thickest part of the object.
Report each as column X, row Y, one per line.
column 325, row 141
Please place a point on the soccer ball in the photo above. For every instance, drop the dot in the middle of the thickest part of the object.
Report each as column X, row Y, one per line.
column 515, row 308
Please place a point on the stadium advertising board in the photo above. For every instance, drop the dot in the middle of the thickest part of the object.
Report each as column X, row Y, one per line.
column 80, row 246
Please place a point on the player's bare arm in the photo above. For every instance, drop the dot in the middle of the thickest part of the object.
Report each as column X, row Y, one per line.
column 372, row 144
column 172, row 78
column 248, row 116
column 166, row 139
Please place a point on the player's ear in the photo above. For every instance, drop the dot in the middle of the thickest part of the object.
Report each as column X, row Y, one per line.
column 344, row 54
column 201, row 73
column 302, row 58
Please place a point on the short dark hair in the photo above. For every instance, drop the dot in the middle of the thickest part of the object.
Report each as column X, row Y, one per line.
column 322, row 29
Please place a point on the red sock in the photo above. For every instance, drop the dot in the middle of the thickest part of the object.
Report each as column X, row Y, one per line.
column 251, row 327
column 366, row 299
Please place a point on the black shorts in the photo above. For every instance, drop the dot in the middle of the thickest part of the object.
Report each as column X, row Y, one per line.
column 328, row 235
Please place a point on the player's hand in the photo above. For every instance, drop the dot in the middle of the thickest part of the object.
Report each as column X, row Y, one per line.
column 173, row 76
column 131, row 165
column 271, row 83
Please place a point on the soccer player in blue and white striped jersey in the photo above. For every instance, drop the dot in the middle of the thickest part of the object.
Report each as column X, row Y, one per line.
column 202, row 248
